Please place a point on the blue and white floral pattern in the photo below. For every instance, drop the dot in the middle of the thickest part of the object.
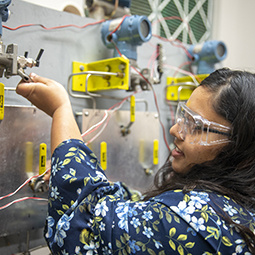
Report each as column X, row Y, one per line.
column 90, row 215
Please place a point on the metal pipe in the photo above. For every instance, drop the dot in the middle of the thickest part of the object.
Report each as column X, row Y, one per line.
column 90, row 95
column 76, row 95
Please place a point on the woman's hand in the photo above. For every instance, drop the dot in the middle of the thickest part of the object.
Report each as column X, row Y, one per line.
column 52, row 98
column 44, row 93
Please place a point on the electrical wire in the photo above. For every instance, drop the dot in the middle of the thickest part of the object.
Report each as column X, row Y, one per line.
column 152, row 58
column 22, row 185
column 123, row 18
column 21, row 200
column 96, row 126
column 118, row 106
column 157, row 107
column 51, row 28
column 155, row 99
column 181, row 66
column 179, row 45
column 115, row 107
column 98, row 134
column 152, row 61
column 106, row 118
column 184, row 72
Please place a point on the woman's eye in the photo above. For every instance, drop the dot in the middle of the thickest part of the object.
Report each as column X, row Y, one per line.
column 197, row 128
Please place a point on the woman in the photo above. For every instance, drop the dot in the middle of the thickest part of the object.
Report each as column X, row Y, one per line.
column 203, row 201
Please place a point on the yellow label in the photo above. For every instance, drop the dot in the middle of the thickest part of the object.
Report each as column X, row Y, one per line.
column 103, row 155
column 1, row 101
column 155, row 152
column 132, row 109
column 42, row 158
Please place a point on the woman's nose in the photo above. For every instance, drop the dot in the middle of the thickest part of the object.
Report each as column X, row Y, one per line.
column 175, row 131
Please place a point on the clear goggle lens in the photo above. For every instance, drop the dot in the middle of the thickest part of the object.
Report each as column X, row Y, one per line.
column 197, row 130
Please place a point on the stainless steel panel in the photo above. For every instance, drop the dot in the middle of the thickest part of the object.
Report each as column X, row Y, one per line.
column 130, row 157
column 20, row 126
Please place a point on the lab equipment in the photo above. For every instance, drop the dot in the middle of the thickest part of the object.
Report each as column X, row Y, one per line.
column 127, row 34
column 207, row 54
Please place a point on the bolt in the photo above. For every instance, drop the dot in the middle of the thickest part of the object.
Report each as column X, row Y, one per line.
column 148, row 171
column 122, row 66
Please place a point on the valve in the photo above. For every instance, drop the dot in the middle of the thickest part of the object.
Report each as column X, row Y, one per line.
column 134, row 31
column 11, row 64
column 207, row 54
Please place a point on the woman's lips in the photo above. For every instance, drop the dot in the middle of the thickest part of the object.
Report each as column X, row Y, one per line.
column 177, row 152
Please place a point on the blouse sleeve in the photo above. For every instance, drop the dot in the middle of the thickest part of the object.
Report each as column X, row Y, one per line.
column 77, row 183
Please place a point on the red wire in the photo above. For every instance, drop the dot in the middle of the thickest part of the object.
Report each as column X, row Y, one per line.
column 182, row 65
column 156, row 103
column 107, row 120
column 180, row 45
column 119, row 24
column 57, row 27
column 20, row 200
column 155, row 98
column 26, row 182
column 20, row 187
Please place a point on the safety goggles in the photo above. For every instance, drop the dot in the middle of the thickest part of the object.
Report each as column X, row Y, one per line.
column 198, row 130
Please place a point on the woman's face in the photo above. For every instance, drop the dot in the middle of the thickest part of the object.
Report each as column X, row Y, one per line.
column 185, row 155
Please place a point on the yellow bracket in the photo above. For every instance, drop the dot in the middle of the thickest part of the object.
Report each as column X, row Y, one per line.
column 180, row 89
column 105, row 82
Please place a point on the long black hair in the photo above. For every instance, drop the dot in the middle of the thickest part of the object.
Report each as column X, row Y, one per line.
column 232, row 172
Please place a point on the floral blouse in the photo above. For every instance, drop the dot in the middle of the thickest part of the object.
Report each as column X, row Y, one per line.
column 90, row 215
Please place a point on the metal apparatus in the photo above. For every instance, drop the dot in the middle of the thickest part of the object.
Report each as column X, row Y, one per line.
column 130, row 149
column 133, row 31
column 207, row 54
column 124, row 35
column 10, row 62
